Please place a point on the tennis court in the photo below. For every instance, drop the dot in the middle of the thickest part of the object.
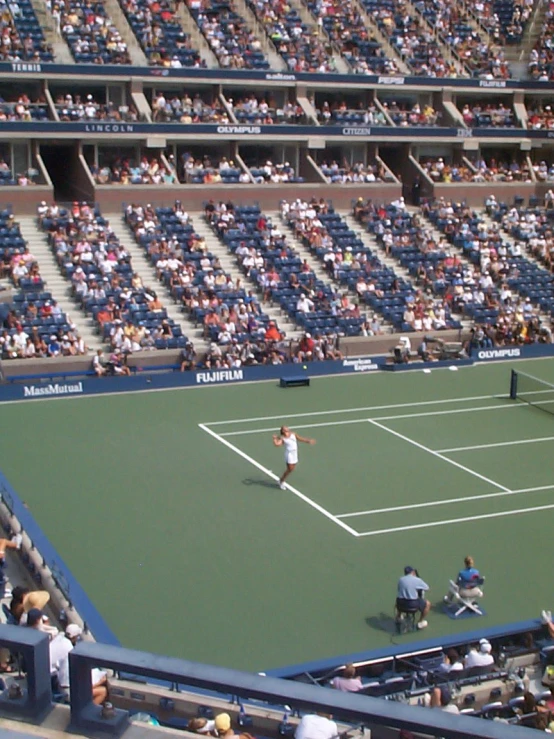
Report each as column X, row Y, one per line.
column 165, row 506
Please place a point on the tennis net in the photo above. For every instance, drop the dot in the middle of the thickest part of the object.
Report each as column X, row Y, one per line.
column 529, row 389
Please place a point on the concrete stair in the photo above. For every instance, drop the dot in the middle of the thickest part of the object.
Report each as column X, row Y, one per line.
column 62, row 53
column 315, row 264
column 145, row 270
column 275, row 60
column 116, row 14
column 55, row 283
column 198, row 39
column 229, row 264
column 389, row 261
column 340, row 63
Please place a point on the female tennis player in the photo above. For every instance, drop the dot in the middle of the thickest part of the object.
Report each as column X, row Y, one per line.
column 289, row 440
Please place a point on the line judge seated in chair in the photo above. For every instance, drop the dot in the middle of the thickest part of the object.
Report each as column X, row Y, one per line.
column 409, row 596
column 469, row 582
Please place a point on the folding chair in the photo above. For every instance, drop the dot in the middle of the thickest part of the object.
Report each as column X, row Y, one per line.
column 466, row 603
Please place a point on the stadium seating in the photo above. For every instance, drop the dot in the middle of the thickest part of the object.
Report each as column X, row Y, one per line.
column 194, row 276
column 257, row 110
column 500, row 271
column 340, row 114
column 235, row 46
column 22, row 109
column 346, row 29
column 35, row 325
column 104, row 283
column 186, row 108
column 115, row 170
column 356, row 172
column 457, row 30
column 91, row 34
column 265, row 256
column 532, row 226
column 303, row 50
column 430, row 265
column 541, row 58
column 495, row 115
column 87, row 108
column 160, row 34
column 22, row 38
column 348, row 260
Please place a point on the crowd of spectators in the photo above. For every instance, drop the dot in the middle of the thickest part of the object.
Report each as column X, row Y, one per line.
column 339, row 113
column 35, row 325
column 21, row 37
column 85, row 108
column 227, row 33
column 486, row 115
column 482, row 58
column 544, row 172
column 304, row 49
column 505, row 20
column 274, row 173
column 174, row 108
column 532, row 227
column 495, row 170
column 129, row 315
column 123, row 171
column 90, row 33
column 22, row 108
column 347, row 30
column 541, row 58
column 408, row 114
column 265, row 256
column 156, row 26
column 258, row 110
column 430, row 262
column 356, row 172
column 231, row 316
column 210, row 169
column 541, row 118
column 440, row 171
column 497, row 289
column 410, row 37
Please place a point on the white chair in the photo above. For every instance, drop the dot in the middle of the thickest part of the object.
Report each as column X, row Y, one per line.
column 465, row 603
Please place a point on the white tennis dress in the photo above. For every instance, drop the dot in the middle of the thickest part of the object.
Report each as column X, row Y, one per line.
column 291, row 449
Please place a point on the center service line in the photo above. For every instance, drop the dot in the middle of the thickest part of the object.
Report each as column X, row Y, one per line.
column 273, row 476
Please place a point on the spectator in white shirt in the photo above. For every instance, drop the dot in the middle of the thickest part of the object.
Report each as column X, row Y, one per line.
column 479, row 656
column 304, row 304
column 317, row 726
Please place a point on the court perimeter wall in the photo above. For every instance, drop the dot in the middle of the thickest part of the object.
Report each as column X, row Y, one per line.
column 64, row 384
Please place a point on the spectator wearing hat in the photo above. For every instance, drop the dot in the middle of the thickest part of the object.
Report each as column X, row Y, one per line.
column 348, row 682
column 33, row 600
column 223, row 726
column 188, row 357
column 60, row 648
column 54, row 348
column 479, row 655
column 409, row 595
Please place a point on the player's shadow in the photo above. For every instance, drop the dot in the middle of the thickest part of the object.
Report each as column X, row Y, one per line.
column 262, row 482
column 382, row 622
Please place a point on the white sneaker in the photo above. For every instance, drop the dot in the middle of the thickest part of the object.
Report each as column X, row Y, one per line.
column 546, row 617
column 282, row 486
column 422, row 625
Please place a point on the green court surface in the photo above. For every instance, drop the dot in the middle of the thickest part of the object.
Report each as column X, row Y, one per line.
column 165, row 507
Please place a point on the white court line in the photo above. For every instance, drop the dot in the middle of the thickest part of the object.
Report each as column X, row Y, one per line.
column 355, row 410
column 498, row 443
column 448, row 501
column 273, row 476
column 465, row 519
column 438, row 455
column 380, row 418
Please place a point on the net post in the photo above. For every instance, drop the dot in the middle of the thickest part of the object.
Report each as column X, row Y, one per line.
column 513, row 385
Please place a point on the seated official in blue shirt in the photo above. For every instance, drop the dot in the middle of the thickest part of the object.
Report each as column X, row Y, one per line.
column 409, row 596
column 468, row 581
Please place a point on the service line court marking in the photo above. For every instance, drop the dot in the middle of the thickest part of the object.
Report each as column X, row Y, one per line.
column 275, row 477
column 338, row 519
